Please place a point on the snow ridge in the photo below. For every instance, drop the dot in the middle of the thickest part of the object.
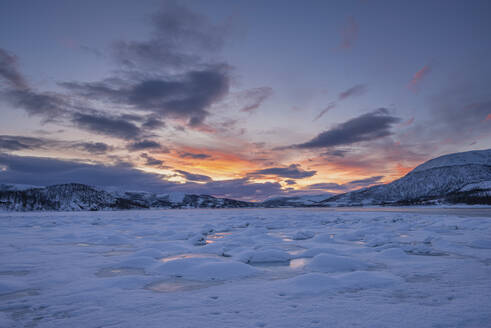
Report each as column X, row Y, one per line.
column 478, row 157
column 455, row 178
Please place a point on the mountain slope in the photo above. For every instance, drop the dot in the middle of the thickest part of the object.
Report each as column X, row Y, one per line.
column 296, row 201
column 461, row 177
column 76, row 197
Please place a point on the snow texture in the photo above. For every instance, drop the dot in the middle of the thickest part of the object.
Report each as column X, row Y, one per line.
column 246, row 268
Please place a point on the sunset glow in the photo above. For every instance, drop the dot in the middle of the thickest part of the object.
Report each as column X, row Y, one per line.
column 197, row 96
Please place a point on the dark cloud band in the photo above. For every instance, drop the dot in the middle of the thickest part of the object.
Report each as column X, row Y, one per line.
column 370, row 126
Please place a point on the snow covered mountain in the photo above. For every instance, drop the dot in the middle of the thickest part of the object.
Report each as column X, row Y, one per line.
column 75, row 197
column 296, row 201
column 454, row 178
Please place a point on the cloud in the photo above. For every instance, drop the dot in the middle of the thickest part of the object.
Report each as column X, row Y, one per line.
column 93, row 51
column 107, row 125
column 173, row 78
column 179, row 35
column 194, row 177
column 253, row 98
column 355, row 184
column 151, row 161
column 462, row 108
column 366, row 182
column 49, row 105
column 290, row 182
column 417, row 77
column 293, row 171
column 9, row 70
column 349, row 33
column 335, row 152
column 13, row 143
column 183, row 91
column 20, row 95
column 48, row 171
column 236, row 189
column 185, row 96
column 194, row 155
column 327, row 186
column 408, row 122
column 94, row 147
column 370, row 126
column 43, row 171
column 153, row 123
column 125, row 126
column 144, row 144
column 325, row 110
column 354, row 91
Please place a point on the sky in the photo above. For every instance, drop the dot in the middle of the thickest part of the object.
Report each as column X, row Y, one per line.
column 239, row 99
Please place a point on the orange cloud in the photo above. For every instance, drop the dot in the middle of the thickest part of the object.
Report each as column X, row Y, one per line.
column 488, row 118
column 403, row 170
column 217, row 164
column 418, row 76
column 408, row 122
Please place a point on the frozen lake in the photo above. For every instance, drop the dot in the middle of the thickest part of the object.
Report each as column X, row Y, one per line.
column 484, row 211
column 379, row 267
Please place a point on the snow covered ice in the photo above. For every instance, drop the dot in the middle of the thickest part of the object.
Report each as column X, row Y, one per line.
column 246, row 268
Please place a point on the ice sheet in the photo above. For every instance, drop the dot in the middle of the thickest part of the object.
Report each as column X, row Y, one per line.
column 245, row 268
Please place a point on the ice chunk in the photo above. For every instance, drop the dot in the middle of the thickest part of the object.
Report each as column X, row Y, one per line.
column 10, row 286
column 318, row 250
column 333, row 263
column 366, row 279
column 206, row 269
column 319, row 283
column 140, row 262
column 198, row 240
column 265, row 256
column 302, row 235
column 310, row 284
column 325, row 238
column 393, row 253
column 481, row 243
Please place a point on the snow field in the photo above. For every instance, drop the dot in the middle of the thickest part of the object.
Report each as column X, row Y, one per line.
column 244, row 268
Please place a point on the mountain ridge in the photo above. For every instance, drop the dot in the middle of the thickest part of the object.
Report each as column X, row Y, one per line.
column 76, row 196
column 442, row 179
column 452, row 178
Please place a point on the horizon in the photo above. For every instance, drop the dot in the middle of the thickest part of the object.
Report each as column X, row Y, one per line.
column 242, row 100
column 270, row 197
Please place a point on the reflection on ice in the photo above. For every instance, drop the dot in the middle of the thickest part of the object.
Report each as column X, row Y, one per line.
column 210, row 239
column 298, row 263
column 113, row 272
column 179, row 285
column 188, row 256
column 76, row 272
column 117, row 252
column 292, row 264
